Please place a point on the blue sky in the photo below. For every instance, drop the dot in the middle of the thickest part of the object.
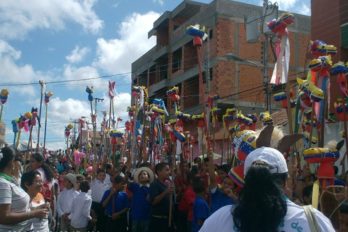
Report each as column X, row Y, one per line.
column 74, row 39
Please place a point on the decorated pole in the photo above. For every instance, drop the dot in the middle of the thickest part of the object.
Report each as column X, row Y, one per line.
column 3, row 99
column 281, row 67
column 67, row 134
column 47, row 100
column 215, row 112
column 32, row 123
column 15, row 130
column 340, row 70
column 199, row 35
column 111, row 94
column 23, row 123
column 96, row 100
column 89, row 91
column 140, row 97
column 319, row 76
column 42, row 85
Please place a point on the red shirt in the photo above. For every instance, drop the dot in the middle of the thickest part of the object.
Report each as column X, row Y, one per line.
column 186, row 203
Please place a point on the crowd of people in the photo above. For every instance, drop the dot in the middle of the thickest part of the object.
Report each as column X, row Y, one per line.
column 52, row 194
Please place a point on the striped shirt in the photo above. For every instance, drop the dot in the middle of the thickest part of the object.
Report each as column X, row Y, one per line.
column 18, row 200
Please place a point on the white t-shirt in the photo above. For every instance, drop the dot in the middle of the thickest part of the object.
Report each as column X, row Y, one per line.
column 19, row 200
column 65, row 200
column 98, row 189
column 40, row 224
column 80, row 212
column 295, row 220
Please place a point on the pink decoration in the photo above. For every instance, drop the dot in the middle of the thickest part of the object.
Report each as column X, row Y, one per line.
column 89, row 169
column 78, row 157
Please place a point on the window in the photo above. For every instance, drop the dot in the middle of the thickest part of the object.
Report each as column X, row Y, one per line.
column 177, row 56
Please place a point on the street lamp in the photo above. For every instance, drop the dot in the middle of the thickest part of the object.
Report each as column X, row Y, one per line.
column 234, row 57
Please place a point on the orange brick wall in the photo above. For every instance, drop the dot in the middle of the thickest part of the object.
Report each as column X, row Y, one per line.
column 250, row 77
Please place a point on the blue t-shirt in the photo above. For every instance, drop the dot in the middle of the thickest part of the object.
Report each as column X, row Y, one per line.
column 140, row 206
column 219, row 199
column 120, row 201
column 200, row 212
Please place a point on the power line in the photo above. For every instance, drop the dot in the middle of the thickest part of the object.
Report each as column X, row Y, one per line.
column 64, row 82
column 61, row 81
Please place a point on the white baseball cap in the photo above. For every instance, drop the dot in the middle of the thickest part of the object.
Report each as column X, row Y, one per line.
column 272, row 157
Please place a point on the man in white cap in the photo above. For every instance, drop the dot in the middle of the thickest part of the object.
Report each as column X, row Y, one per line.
column 65, row 200
column 263, row 205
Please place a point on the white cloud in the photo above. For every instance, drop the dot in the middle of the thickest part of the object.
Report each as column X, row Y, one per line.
column 285, row 4
column 62, row 112
column 161, row 2
column 19, row 17
column 71, row 72
column 116, row 55
column 10, row 72
column 296, row 6
column 69, row 109
column 77, row 55
column 8, row 50
column 305, row 9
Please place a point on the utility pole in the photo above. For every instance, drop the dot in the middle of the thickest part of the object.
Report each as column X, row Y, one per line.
column 264, row 58
column 268, row 10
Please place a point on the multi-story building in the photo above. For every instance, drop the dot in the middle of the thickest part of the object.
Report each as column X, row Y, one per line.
column 239, row 81
column 330, row 24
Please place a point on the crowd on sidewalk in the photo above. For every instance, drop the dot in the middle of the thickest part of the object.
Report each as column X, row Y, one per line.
column 52, row 194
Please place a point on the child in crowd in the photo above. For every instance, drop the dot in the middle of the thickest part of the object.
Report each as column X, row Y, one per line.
column 81, row 207
column 220, row 196
column 185, row 207
column 79, row 179
column 140, row 206
column 116, row 204
column 65, row 200
column 160, row 193
column 98, row 188
column 200, row 206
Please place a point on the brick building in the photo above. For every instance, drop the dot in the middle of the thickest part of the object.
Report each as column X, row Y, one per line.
column 173, row 60
column 333, row 29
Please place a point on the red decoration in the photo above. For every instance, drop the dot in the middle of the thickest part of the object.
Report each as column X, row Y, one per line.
column 197, row 41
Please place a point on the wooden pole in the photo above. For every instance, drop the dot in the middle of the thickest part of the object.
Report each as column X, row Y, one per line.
column 95, row 128
column 2, row 108
column 311, row 128
column 345, row 99
column 42, row 84
column 45, row 131
column 111, row 101
column 18, row 138
column 30, row 139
